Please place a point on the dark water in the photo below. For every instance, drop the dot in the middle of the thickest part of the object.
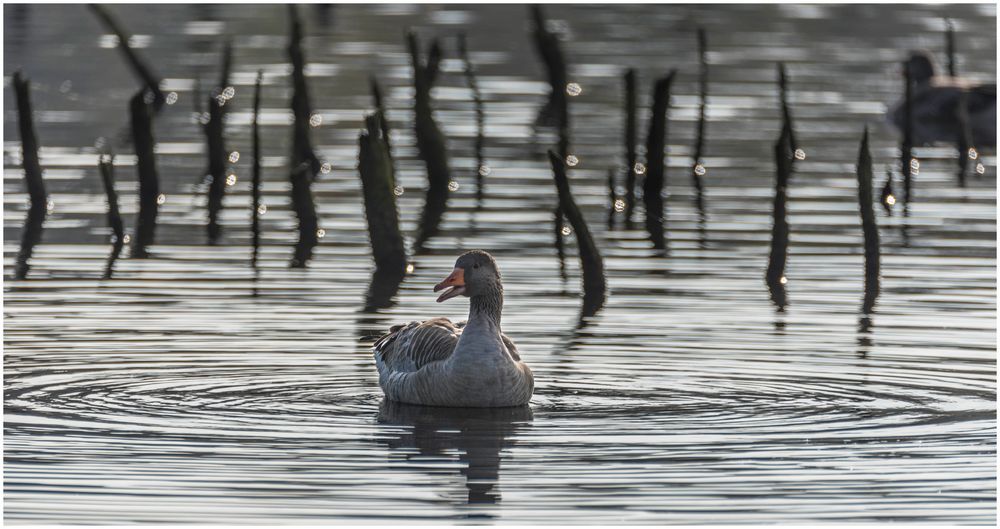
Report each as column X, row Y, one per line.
column 186, row 390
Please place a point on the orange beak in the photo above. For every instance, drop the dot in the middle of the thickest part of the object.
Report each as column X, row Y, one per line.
column 457, row 283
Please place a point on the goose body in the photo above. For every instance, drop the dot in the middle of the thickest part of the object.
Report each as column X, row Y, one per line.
column 469, row 364
column 936, row 101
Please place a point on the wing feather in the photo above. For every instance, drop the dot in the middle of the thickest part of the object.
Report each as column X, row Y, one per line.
column 411, row 346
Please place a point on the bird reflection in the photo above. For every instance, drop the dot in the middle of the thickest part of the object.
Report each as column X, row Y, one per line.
column 480, row 434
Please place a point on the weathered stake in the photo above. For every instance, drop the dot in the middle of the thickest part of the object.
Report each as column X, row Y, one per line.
column 256, row 172
column 378, row 186
column 887, row 198
column 906, row 148
column 305, row 165
column 32, row 234
column 656, row 162
column 106, row 164
column 594, row 283
column 698, row 169
column 612, row 197
column 868, row 226
column 556, row 110
column 380, row 107
column 430, row 140
column 949, row 46
column 630, row 155
column 217, row 155
column 140, row 68
column 302, row 150
column 477, row 99
column 305, row 212
column 149, row 180
column 786, row 112
column 775, row 276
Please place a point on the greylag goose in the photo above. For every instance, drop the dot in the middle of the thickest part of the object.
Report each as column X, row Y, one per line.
column 469, row 364
column 935, row 105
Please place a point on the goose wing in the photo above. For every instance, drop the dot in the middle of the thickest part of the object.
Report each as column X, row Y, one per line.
column 410, row 346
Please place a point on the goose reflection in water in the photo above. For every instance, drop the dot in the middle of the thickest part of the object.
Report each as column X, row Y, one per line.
column 480, row 434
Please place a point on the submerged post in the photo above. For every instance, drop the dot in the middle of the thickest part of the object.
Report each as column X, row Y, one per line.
column 477, row 98
column 949, row 47
column 775, row 276
column 887, row 198
column 305, row 165
column 305, row 212
column 656, row 162
column 906, row 149
column 380, row 107
column 32, row 234
column 139, row 67
column 217, row 155
column 378, row 184
column 594, row 282
column 106, row 165
column 430, row 140
column 786, row 112
column 698, row 168
column 149, row 180
column 612, row 197
column 868, row 226
column 630, row 155
column 302, row 150
column 255, row 207
column 556, row 109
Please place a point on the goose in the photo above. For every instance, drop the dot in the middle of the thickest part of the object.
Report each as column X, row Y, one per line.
column 935, row 105
column 468, row 364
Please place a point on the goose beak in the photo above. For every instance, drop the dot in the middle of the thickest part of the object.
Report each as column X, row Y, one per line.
column 457, row 283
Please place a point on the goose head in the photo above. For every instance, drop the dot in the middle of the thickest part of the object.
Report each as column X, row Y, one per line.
column 922, row 67
column 475, row 274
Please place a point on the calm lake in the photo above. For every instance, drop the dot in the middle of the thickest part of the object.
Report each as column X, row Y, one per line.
column 190, row 388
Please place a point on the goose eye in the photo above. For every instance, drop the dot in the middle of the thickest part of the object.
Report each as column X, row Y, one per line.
column 475, row 265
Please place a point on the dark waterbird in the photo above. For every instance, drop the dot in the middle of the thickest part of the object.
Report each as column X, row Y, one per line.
column 936, row 104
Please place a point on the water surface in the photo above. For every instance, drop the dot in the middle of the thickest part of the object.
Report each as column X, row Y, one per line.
column 191, row 388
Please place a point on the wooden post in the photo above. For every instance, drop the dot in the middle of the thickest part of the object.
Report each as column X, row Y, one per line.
column 775, row 276
column 302, row 150
column 256, row 172
column 786, row 112
column 378, row 183
column 656, row 161
column 149, row 180
column 906, row 149
column 591, row 263
column 868, row 226
column 218, row 158
column 477, row 99
column 430, row 140
column 32, row 234
column 106, row 165
column 139, row 67
column 698, row 168
column 630, row 141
